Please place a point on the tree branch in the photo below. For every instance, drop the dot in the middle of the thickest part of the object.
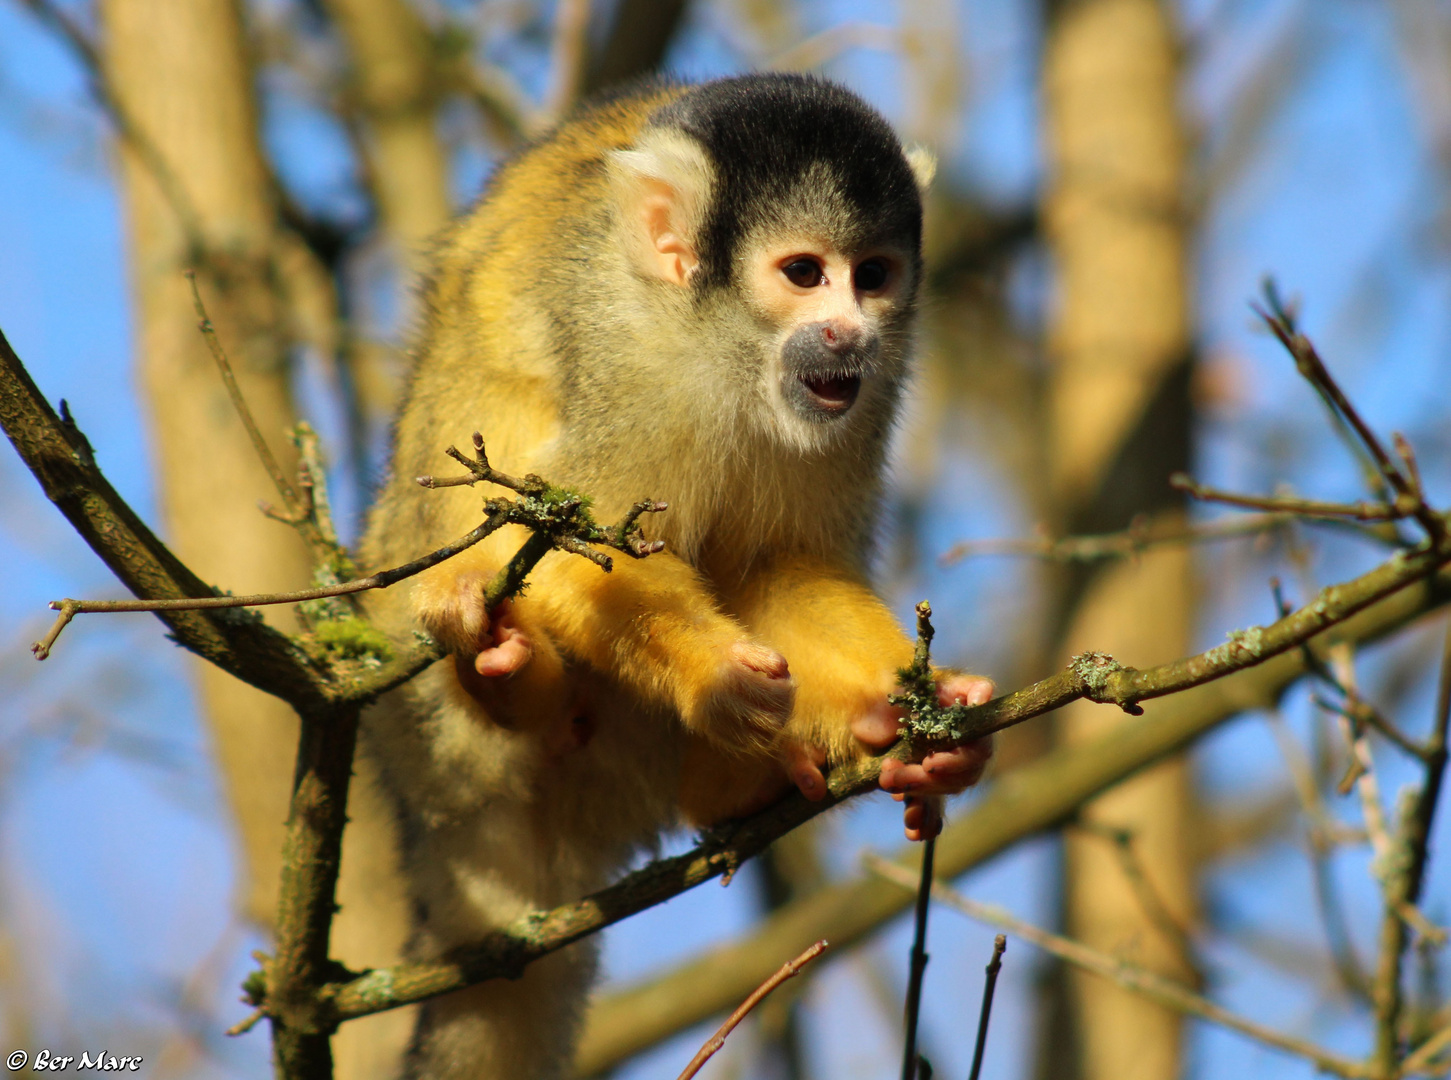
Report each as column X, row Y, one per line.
column 508, row 951
column 1034, row 798
column 789, row 970
column 61, row 460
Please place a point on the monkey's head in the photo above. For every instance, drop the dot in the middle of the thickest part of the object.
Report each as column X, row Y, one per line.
column 784, row 212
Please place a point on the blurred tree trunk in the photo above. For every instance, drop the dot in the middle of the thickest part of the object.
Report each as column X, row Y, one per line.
column 639, row 34
column 197, row 193
column 181, row 73
column 1119, row 411
column 392, row 85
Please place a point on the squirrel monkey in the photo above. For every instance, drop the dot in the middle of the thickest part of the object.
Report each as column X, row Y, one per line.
column 703, row 295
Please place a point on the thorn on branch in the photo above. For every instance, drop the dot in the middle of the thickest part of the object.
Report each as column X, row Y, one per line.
column 246, row 1025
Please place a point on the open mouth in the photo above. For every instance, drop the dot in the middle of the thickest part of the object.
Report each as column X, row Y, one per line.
column 832, row 393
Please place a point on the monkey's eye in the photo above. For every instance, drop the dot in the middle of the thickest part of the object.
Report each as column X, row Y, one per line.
column 804, row 273
column 871, row 275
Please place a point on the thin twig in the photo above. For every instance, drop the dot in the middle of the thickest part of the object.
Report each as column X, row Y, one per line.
column 1355, row 708
column 244, row 1026
column 554, row 523
column 716, row 1041
column 312, row 479
column 1362, row 713
column 59, row 456
column 259, row 443
column 1405, row 873
column 1000, row 946
column 1410, row 499
column 819, row 49
column 1322, row 836
column 1155, row 987
column 1420, row 1060
column 918, row 960
column 381, row 580
column 1292, row 506
column 505, row 107
column 1139, row 537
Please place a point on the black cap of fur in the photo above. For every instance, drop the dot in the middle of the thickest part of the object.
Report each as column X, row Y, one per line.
column 764, row 133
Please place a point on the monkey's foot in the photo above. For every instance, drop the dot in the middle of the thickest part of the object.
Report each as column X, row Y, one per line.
column 502, row 649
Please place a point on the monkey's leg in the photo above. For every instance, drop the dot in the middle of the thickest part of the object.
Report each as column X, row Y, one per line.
column 469, row 880
column 485, row 843
column 522, row 1029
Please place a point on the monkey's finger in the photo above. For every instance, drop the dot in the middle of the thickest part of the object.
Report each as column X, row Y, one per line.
column 895, row 778
column 950, row 771
column 964, row 690
column 511, row 651
column 803, row 765
column 945, row 772
column 922, row 818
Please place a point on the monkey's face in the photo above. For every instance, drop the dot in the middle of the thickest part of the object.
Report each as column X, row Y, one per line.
column 836, row 316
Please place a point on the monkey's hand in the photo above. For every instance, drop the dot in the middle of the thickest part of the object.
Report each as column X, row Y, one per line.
column 920, row 785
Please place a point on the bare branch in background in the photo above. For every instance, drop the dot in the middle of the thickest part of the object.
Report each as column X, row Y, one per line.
column 1130, row 976
column 569, row 64
column 1000, row 945
column 820, row 49
column 1312, row 509
column 1402, row 478
column 1141, row 535
column 788, row 970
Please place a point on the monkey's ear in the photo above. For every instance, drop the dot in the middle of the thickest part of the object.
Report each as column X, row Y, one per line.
column 923, row 163
column 663, row 186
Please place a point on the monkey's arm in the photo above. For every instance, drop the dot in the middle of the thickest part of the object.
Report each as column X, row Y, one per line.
column 654, row 626
column 651, row 625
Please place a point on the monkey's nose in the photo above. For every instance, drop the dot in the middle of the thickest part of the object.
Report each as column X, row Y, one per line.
column 840, row 337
